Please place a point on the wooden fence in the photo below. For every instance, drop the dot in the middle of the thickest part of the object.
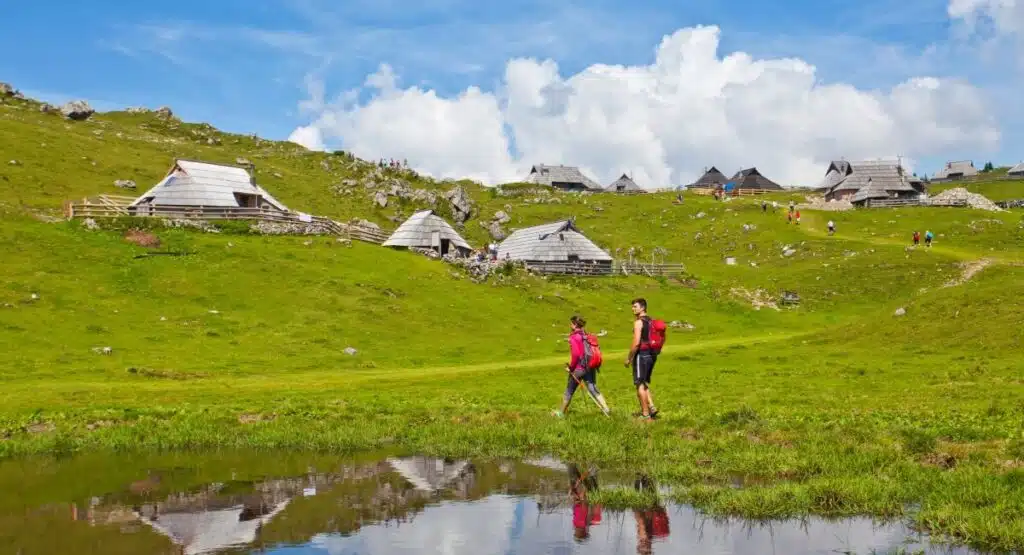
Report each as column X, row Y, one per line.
column 605, row 269
column 896, row 203
column 108, row 206
column 707, row 191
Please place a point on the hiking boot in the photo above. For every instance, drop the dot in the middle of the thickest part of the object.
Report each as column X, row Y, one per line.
column 654, row 413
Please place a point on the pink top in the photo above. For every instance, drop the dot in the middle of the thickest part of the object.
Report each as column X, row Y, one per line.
column 576, row 350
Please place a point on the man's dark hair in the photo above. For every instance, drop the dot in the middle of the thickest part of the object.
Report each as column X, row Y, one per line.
column 640, row 301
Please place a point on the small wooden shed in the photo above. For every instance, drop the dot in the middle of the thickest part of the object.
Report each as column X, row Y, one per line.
column 427, row 230
column 557, row 242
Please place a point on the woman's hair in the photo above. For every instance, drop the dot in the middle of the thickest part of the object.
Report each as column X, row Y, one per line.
column 578, row 321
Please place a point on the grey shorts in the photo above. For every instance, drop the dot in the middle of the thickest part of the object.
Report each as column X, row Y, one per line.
column 643, row 367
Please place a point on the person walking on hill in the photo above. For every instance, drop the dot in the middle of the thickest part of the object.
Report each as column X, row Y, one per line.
column 917, row 238
column 831, row 227
column 764, row 206
column 797, row 217
column 642, row 358
column 580, row 367
column 928, row 238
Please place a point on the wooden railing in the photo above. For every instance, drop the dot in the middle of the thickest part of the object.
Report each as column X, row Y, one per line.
column 109, row 206
column 707, row 191
column 605, row 268
column 896, row 203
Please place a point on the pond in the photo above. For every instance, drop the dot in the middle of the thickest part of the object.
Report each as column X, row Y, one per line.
column 291, row 504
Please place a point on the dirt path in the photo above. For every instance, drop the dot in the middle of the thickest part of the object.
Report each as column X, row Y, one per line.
column 969, row 271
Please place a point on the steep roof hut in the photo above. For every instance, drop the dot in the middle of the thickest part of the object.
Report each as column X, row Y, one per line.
column 624, row 184
column 750, row 178
column 191, row 183
column 710, row 180
column 957, row 170
column 427, row 230
column 882, row 175
column 554, row 242
column 1017, row 170
column 568, row 178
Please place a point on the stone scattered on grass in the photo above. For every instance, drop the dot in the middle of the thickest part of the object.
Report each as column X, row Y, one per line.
column 900, row 312
column 102, row 350
column 350, row 351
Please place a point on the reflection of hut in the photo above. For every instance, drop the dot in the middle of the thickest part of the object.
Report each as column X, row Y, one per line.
column 430, row 474
column 191, row 184
column 214, row 530
column 427, row 230
column 554, row 242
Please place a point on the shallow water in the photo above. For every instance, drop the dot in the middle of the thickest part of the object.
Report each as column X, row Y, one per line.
column 288, row 504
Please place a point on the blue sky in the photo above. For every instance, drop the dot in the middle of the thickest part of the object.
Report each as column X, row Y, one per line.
column 244, row 66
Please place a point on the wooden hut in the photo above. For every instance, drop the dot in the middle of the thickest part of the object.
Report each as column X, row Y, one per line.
column 874, row 176
column 1016, row 171
column 552, row 244
column 712, row 179
column 955, row 171
column 567, row 178
column 750, row 178
column 190, row 184
column 624, row 184
column 427, row 230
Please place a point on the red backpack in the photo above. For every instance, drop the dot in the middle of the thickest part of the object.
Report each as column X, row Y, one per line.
column 591, row 351
column 659, row 523
column 655, row 335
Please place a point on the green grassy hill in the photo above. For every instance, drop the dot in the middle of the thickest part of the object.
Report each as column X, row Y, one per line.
column 836, row 406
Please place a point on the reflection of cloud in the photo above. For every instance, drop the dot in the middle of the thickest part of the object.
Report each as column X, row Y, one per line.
column 450, row 528
column 509, row 525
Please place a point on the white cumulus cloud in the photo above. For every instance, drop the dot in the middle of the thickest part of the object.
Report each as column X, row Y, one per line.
column 308, row 136
column 663, row 123
column 1006, row 16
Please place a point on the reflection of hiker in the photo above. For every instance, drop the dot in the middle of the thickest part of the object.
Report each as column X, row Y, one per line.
column 584, row 514
column 831, row 227
column 917, row 238
column 928, row 238
column 648, row 336
column 583, row 365
column 651, row 523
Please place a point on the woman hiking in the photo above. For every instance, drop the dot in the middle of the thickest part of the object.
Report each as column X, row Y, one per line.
column 578, row 367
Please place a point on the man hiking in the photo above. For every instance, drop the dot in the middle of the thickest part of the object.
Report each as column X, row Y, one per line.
column 580, row 367
column 642, row 358
column 831, row 227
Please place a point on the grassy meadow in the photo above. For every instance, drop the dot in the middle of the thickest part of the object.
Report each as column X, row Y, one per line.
column 834, row 407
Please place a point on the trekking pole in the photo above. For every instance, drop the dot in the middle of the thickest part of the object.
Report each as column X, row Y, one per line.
column 580, row 383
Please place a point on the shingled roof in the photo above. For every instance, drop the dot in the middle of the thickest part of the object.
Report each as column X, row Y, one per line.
column 554, row 242
column 711, row 179
column 190, row 183
column 418, row 231
column 623, row 184
column 1016, row 170
column 963, row 168
column 560, row 175
column 881, row 175
column 750, row 178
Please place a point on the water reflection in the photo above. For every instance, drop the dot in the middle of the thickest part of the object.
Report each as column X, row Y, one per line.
column 414, row 505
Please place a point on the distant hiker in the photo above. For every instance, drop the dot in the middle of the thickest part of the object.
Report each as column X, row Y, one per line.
column 775, row 206
column 797, row 217
column 917, row 238
column 831, row 227
column 648, row 338
column 789, row 217
column 764, row 207
column 792, row 206
column 928, row 238
column 585, row 360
